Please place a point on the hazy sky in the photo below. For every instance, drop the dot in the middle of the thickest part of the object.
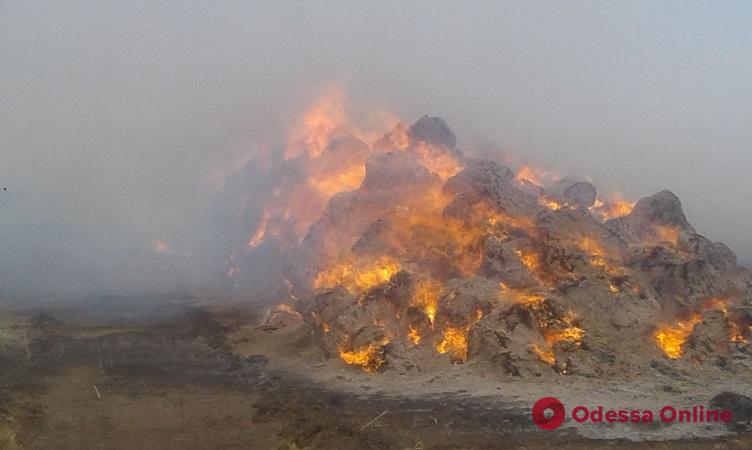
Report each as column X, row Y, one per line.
column 117, row 119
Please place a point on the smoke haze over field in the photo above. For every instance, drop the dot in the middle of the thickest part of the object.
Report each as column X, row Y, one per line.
column 119, row 123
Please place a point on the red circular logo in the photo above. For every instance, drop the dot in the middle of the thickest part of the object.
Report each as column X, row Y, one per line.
column 539, row 413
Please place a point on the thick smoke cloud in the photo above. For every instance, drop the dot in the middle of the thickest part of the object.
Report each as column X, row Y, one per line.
column 119, row 123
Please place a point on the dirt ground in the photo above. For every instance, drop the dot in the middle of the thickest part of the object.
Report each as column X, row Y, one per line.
column 186, row 379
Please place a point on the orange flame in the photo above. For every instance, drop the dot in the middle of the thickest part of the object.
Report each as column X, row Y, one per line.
column 455, row 340
column 550, row 204
column 671, row 339
column 573, row 334
column 667, row 233
column 358, row 276
column 533, row 175
column 529, row 259
column 370, row 357
column 258, row 236
column 614, row 206
column 317, row 126
column 414, row 335
column 427, row 297
column 544, row 355
column 442, row 164
column 347, row 179
column 598, row 259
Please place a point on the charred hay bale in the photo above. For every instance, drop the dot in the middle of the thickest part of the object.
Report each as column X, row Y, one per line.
column 681, row 280
column 477, row 176
column 367, row 347
column 739, row 405
column 663, row 208
column 281, row 317
column 709, row 337
column 577, row 362
column 570, row 227
column 576, row 194
column 416, row 317
column 491, row 183
column 390, row 177
column 507, row 341
column 397, row 139
column 398, row 292
column 367, row 335
column 500, row 260
column 464, row 301
column 551, row 313
column 434, row 131
column 339, row 318
column 651, row 219
column 328, row 307
column 740, row 315
column 718, row 256
column 519, row 314
column 459, row 309
column 379, row 239
column 488, row 339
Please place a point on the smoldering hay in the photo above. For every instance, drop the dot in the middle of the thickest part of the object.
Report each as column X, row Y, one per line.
column 404, row 250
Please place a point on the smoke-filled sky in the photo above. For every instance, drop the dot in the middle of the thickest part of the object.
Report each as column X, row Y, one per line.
column 119, row 120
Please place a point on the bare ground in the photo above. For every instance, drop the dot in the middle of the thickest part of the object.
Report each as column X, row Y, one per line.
column 195, row 380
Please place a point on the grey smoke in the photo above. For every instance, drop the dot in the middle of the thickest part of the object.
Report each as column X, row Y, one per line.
column 119, row 121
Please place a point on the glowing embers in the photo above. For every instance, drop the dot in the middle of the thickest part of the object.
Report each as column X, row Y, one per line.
column 666, row 233
column 556, row 328
column 598, row 259
column 455, row 341
column 359, row 275
column 370, row 357
column 529, row 260
column 671, row 338
column 414, row 335
column 260, row 233
column 544, row 355
column 737, row 332
column 572, row 334
column 550, row 204
column 522, row 296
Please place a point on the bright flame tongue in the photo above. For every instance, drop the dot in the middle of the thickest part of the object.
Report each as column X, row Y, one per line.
column 455, row 340
column 314, row 132
column 671, row 339
column 613, row 207
column 427, row 297
column 370, row 357
column 357, row 276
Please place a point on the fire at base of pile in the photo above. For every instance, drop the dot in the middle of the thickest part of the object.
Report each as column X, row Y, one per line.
column 513, row 333
column 416, row 253
column 387, row 327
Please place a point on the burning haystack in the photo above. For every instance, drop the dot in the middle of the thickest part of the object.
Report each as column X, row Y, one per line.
column 406, row 251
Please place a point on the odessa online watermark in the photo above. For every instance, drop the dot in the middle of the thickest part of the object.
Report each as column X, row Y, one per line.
column 549, row 413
